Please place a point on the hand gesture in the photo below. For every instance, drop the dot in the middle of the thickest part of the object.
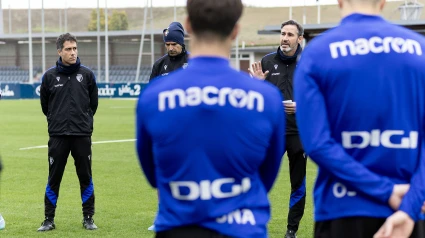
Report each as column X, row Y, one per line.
column 257, row 71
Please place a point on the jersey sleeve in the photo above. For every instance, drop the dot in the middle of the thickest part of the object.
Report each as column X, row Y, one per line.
column 144, row 143
column 270, row 167
column 415, row 197
column 93, row 92
column 44, row 95
column 315, row 133
column 154, row 72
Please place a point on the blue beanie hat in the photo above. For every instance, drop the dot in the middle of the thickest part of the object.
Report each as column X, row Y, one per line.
column 174, row 33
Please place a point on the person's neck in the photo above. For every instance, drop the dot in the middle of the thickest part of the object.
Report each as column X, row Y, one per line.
column 210, row 48
column 360, row 8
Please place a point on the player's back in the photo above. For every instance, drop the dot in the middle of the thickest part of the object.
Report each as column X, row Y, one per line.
column 372, row 78
column 379, row 71
column 211, row 129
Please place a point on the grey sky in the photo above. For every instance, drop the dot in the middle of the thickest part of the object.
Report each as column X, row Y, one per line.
column 139, row 3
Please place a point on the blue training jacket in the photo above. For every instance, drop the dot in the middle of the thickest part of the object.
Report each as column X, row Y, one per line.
column 211, row 140
column 360, row 93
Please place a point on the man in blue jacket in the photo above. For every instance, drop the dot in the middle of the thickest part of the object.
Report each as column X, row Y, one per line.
column 361, row 117
column 211, row 138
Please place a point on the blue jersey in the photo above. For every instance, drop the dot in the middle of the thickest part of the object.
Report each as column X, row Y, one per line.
column 211, row 140
column 360, row 93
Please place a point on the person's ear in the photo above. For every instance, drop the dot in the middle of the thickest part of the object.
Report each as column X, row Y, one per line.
column 235, row 31
column 382, row 4
column 188, row 26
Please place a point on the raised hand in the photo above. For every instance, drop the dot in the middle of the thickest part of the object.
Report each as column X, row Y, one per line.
column 257, row 71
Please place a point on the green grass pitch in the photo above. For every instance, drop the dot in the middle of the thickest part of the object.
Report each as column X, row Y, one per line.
column 125, row 203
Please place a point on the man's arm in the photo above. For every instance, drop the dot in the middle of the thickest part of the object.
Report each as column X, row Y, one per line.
column 93, row 93
column 415, row 197
column 154, row 72
column 270, row 167
column 44, row 95
column 313, row 125
column 144, row 144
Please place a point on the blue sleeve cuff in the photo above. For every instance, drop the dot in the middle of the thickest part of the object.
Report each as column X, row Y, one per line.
column 411, row 205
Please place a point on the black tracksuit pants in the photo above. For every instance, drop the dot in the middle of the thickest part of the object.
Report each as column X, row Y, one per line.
column 355, row 227
column 59, row 149
column 297, row 173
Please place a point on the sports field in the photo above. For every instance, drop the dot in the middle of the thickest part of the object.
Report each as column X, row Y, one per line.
column 125, row 203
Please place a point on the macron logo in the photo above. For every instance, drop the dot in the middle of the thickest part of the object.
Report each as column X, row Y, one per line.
column 211, row 95
column 374, row 45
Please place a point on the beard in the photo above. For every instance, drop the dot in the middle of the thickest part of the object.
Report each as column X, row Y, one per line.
column 287, row 49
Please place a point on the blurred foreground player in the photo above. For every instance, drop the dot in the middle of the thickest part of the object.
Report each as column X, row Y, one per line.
column 176, row 56
column 213, row 180
column 366, row 98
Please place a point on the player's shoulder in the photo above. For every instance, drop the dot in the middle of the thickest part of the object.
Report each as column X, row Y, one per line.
column 320, row 42
column 85, row 69
column 162, row 83
column 409, row 34
column 160, row 60
column 267, row 89
column 49, row 73
column 269, row 56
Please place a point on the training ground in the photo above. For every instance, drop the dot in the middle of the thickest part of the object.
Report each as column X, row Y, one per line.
column 125, row 203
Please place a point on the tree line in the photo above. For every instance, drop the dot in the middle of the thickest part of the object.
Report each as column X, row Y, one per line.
column 118, row 21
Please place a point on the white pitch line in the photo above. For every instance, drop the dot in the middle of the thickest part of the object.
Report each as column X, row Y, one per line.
column 97, row 142
column 121, row 107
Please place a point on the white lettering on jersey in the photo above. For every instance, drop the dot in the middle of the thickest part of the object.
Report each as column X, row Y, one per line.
column 206, row 189
column 240, row 217
column 340, row 190
column 376, row 138
column 211, row 95
column 376, row 45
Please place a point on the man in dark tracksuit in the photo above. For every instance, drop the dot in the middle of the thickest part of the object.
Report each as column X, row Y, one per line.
column 278, row 68
column 69, row 99
column 176, row 56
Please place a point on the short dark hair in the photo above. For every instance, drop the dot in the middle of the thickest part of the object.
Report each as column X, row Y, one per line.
column 214, row 18
column 65, row 37
column 294, row 23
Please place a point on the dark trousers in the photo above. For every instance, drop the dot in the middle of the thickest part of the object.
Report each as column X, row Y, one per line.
column 59, row 149
column 189, row 232
column 297, row 172
column 355, row 227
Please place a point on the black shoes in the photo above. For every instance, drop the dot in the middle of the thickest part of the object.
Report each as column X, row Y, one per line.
column 290, row 234
column 88, row 223
column 47, row 225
